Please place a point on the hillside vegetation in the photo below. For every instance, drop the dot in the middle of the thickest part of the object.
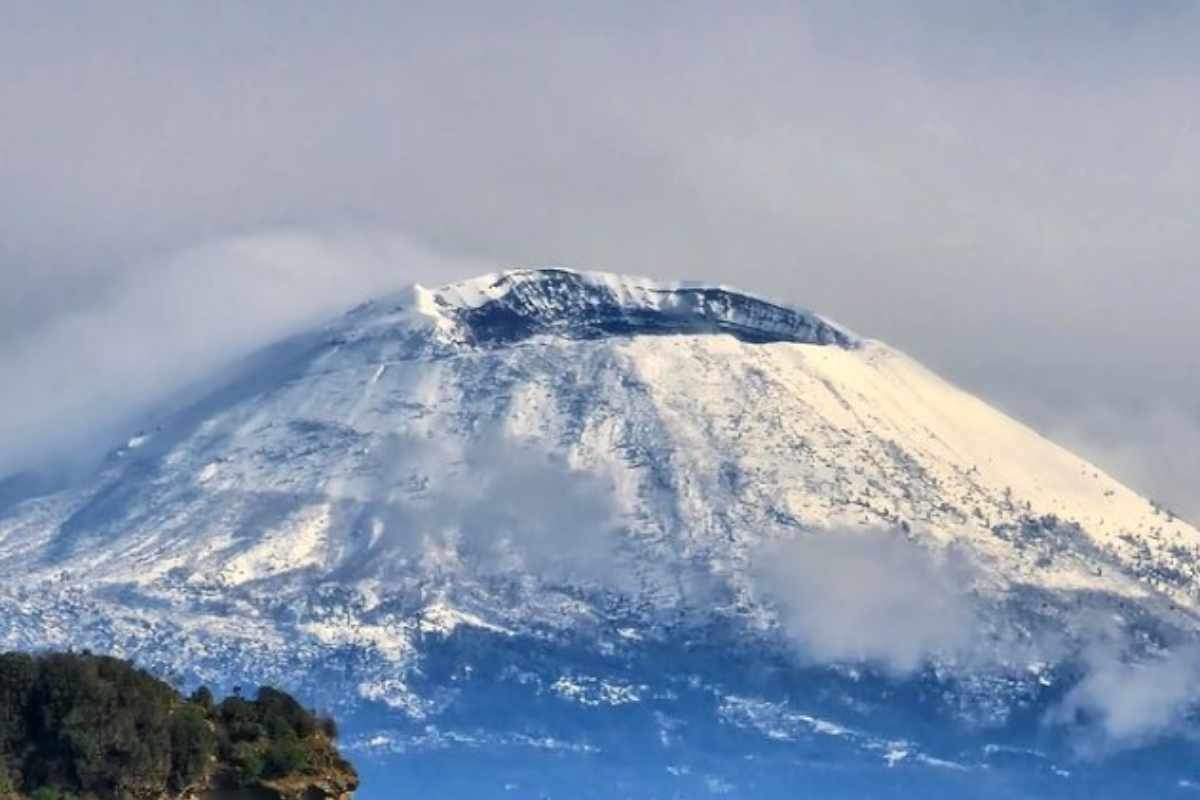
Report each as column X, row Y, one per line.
column 86, row 726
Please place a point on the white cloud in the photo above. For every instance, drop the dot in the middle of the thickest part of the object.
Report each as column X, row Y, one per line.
column 1123, row 702
column 496, row 506
column 72, row 383
column 867, row 596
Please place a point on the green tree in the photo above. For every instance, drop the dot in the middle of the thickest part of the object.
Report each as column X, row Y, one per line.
column 248, row 762
column 8, row 789
column 83, row 725
column 285, row 756
column 193, row 744
column 18, row 675
column 328, row 726
column 52, row 793
column 203, row 697
column 278, row 710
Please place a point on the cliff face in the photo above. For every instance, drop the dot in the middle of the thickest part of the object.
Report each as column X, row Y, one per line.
column 325, row 786
column 327, row 777
column 330, row 778
column 332, row 784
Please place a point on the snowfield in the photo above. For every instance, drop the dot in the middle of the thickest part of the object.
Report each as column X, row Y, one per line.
column 570, row 459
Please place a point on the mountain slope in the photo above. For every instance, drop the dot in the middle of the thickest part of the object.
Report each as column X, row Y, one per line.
column 769, row 424
column 563, row 456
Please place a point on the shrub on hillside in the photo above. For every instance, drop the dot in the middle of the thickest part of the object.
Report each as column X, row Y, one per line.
column 79, row 724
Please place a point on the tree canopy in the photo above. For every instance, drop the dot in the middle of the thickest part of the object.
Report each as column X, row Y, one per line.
column 88, row 726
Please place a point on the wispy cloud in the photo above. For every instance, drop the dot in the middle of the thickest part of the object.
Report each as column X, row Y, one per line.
column 874, row 598
column 81, row 377
column 491, row 505
column 1123, row 701
column 867, row 596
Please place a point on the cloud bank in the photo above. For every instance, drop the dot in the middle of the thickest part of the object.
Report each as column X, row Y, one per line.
column 492, row 506
column 80, row 378
column 875, row 598
column 867, row 596
column 1006, row 192
column 1123, row 702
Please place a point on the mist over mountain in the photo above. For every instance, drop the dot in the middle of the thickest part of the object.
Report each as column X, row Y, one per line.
column 1003, row 191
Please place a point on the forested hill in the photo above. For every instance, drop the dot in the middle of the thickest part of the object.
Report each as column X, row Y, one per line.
column 86, row 726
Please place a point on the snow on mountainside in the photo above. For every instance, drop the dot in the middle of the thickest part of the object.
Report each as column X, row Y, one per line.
column 548, row 454
column 756, row 430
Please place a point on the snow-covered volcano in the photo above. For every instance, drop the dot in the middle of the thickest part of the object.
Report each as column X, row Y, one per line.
column 537, row 480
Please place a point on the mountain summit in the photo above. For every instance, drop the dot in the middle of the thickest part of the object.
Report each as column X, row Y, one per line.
column 507, row 308
column 513, row 306
column 543, row 483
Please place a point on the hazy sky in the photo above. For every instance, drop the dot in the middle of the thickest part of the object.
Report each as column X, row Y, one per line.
column 1008, row 191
